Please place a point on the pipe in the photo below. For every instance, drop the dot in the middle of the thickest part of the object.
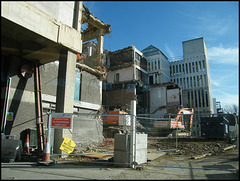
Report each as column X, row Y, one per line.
column 9, row 80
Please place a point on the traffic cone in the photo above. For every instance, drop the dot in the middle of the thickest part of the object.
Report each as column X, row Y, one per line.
column 46, row 152
column 26, row 144
column 78, row 57
column 46, row 155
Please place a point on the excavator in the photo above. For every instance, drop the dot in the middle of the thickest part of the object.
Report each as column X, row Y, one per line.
column 165, row 126
column 175, row 121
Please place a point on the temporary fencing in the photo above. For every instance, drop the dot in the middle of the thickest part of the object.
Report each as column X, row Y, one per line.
column 89, row 133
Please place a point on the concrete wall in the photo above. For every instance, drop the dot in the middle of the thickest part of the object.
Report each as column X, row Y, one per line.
column 158, row 100
column 122, row 148
column 62, row 10
column 118, row 97
column 22, row 99
column 125, row 74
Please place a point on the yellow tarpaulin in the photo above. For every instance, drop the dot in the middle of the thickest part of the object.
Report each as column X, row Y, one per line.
column 68, row 145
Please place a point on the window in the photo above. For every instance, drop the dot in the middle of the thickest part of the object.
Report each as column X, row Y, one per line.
column 176, row 69
column 116, row 77
column 198, row 81
column 196, row 102
column 77, row 89
column 201, row 80
column 151, row 79
column 200, row 66
column 170, row 70
column 184, row 83
column 190, row 68
column 206, row 98
column 199, row 99
column 180, row 70
column 186, row 68
column 194, row 81
column 173, row 70
column 203, row 65
column 148, row 66
column 155, row 65
column 183, row 68
column 187, row 82
column 203, row 99
column 193, row 68
column 159, row 64
column 190, row 81
column 137, row 57
column 196, row 66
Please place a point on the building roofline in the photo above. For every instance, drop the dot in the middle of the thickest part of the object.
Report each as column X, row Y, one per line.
column 193, row 39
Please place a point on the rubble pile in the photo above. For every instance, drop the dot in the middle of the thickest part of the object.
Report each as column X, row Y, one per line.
column 189, row 147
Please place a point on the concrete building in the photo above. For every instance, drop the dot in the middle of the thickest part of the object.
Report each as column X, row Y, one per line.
column 157, row 65
column 41, row 40
column 193, row 74
column 126, row 80
column 165, row 98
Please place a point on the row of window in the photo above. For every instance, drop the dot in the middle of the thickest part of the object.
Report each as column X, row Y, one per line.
column 154, row 65
column 198, row 98
column 187, row 68
column 190, row 82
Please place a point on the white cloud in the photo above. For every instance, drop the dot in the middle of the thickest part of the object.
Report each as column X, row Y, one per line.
column 221, row 55
column 169, row 52
column 226, row 98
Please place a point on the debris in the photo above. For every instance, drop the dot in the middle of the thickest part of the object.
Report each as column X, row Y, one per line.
column 229, row 147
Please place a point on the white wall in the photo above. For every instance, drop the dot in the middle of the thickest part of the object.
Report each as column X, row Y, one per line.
column 125, row 74
column 158, row 97
column 62, row 11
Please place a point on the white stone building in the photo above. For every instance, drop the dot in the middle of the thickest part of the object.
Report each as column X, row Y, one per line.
column 158, row 65
column 193, row 74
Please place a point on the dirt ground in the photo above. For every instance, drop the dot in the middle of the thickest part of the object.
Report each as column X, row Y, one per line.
column 187, row 147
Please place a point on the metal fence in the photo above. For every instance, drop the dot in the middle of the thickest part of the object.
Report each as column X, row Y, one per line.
column 96, row 140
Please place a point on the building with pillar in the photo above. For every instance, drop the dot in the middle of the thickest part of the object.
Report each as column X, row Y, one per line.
column 45, row 37
column 192, row 73
column 158, row 65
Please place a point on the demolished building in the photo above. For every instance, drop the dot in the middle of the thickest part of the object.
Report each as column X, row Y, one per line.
column 126, row 80
column 45, row 47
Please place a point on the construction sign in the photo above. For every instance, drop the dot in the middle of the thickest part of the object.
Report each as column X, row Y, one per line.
column 10, row 116
column 61, row 120
column 68, row 145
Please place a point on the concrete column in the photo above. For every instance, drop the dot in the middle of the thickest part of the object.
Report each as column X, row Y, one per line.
column 100, row 48
column 65, row 94
column 133, row 133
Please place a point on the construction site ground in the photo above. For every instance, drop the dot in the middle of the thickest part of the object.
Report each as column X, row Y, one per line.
column 194, row 158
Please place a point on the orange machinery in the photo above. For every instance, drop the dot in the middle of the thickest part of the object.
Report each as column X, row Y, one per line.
column 177, row 123
column 112, row 120
column 176, row 120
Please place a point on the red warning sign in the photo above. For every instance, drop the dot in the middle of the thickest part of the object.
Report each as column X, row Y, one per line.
column 61, row 121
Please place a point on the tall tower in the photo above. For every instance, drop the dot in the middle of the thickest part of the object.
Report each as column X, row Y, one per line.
column 193, row 74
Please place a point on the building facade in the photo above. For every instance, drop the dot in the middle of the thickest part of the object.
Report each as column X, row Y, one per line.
column 193, row 75
column 45, row 38
column 126, row 80
column 157, row 65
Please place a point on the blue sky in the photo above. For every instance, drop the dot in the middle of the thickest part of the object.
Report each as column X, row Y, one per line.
column 166, row 24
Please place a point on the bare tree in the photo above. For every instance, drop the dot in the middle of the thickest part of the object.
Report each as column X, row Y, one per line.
column 232, row 109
